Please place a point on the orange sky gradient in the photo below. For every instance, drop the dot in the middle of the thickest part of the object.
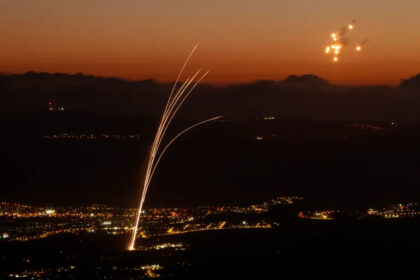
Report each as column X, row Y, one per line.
column 240, row 40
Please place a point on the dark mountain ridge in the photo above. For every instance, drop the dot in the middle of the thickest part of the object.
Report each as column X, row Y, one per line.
column 307, row 96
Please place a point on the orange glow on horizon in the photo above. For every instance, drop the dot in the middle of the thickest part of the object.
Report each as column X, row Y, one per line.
column 239, row 43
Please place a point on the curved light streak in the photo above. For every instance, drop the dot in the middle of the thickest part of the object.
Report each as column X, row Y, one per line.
column 175, row 101
column 178, row 135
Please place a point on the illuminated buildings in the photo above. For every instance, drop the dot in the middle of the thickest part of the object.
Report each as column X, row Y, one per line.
column 91, row 136
column 52, row 108
column 22, row 222
column 401, row 210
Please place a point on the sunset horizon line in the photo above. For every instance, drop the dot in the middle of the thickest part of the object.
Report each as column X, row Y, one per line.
column 333, row 82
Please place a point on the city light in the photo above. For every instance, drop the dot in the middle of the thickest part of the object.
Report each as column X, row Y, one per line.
column 114, row 221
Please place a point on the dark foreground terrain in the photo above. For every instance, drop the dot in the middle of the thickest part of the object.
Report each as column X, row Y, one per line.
column 300, row 249
column 68, row 158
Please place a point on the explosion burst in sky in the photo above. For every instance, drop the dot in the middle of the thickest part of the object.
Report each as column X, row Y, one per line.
column 340, row 40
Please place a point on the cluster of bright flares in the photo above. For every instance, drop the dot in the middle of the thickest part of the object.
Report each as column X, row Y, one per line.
column 175, row 100
column 338, row 42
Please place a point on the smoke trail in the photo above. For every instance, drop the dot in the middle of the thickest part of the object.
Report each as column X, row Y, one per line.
column 175, row 101
column 364, row 42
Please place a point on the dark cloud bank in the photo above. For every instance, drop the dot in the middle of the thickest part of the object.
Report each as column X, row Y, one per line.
column 306, row 96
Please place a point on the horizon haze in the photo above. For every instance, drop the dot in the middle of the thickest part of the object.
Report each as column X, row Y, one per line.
column 240, row 41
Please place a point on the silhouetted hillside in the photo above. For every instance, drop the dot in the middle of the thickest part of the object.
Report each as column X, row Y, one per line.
column 306, row 96
column 412, row 83
column 307, row 81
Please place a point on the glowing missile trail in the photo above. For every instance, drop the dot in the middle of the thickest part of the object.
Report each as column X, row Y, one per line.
column 175, row 101
column 179, row 134
column 179, row 75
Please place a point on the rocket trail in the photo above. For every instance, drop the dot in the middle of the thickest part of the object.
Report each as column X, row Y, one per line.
column 175, row 100
column 179, row 134
column 180, row 73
